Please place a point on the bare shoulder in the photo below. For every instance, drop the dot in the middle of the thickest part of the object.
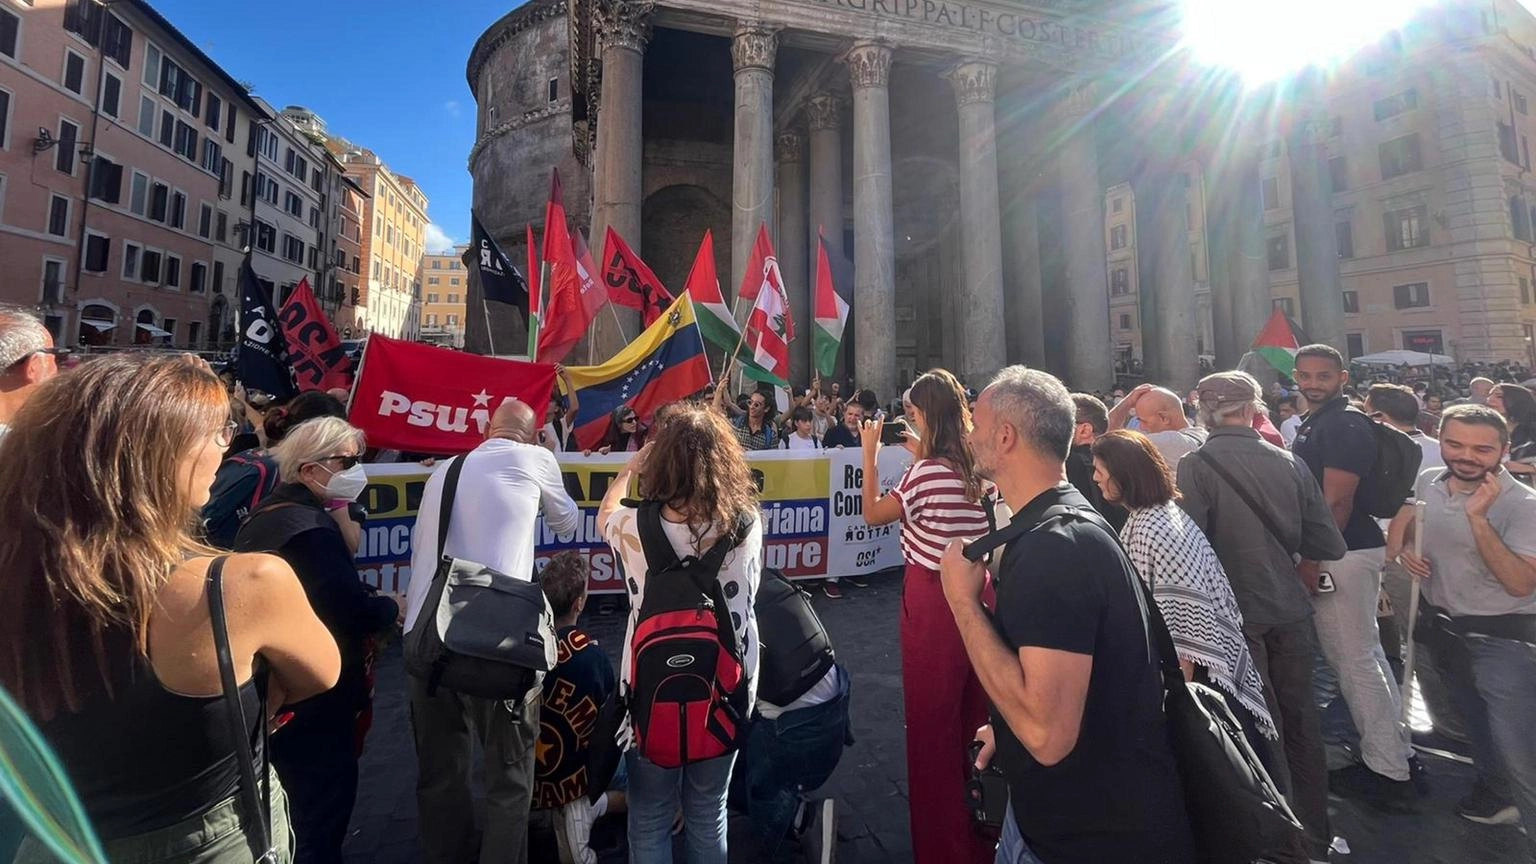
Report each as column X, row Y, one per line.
column 255, row 581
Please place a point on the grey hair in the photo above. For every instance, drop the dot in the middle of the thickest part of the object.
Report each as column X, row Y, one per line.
column 1213, row 414
column 1038, row 405
column 311, row 441
column 21, row 333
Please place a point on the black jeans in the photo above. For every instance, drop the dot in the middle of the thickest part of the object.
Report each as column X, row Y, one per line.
column 1285, row 654
column 316, row 758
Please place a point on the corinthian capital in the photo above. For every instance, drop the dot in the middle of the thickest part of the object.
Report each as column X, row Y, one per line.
column 869, row 64
column 1081, row 99
column 754, row 46
column 791, row 146
column 825, row 111
column 624, row 23
column 975, row 81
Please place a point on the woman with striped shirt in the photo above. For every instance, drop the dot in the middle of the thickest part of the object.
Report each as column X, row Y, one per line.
column 936, row 501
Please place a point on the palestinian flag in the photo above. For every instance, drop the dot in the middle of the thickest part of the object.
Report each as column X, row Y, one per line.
column 831, row 313
column 535, row 297
column 716, row 322
column 1277, row 343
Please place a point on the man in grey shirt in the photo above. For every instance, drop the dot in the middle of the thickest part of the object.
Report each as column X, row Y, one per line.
column 1260, row 562
column 1478, row 573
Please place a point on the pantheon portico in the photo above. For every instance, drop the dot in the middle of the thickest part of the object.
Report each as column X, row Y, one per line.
column 955, row 154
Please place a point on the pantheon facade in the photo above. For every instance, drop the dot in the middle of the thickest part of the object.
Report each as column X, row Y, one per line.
column 954, row 154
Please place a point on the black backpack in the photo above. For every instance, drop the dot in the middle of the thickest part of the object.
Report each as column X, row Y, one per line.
column 241, row 483
column 688, row 691
column 795, row 651
column 1390, row 483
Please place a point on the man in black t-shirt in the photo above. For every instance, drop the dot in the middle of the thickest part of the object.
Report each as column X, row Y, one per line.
column 1077, row 719
column 1339, row 446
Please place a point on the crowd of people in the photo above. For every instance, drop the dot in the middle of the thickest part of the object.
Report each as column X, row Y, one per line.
column 169, row 583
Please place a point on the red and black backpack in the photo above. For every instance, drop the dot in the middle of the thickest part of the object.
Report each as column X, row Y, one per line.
column 688, row 692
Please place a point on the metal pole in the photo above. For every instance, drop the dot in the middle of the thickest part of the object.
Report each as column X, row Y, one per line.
column 490, row 339
column 1419, row 508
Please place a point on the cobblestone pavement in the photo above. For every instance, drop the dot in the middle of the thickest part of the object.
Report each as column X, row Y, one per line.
column 870, row 782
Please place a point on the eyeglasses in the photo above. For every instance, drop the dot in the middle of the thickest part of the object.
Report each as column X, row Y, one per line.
column 56, row 352
column 227, row 433
column 346, row 462
column 629, row 419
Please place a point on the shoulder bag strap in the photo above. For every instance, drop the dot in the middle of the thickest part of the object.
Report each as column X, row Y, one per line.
column 258, row 812
column 445, row 507
column 1264, row 517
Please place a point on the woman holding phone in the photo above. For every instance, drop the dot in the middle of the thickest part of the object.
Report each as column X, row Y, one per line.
column 936, row 501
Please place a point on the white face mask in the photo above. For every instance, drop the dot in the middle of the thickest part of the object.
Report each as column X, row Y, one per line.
column 347, row 485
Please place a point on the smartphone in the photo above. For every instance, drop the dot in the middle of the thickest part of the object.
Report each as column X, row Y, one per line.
column 891, row 432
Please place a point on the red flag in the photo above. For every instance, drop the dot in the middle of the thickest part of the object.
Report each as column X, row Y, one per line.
column 314, row 350
column 592, row 298
column 571, row 284
column 752, row 277
column 425, row 399
column 630, row 282
column 770, row 327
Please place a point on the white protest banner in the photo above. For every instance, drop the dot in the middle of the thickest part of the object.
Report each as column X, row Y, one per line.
column 857, row 547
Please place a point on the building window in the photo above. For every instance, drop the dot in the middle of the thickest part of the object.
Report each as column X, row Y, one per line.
column 1120, row 281
column 1286, row 305
column 1407, row 229
column 194, row 334
column 131, row 252
column 111, row 94
column 1125, row 321
column 167, row 128
column 64, row 159
column 293, row 205
column 106, row 180
column 1400, row 156
column 432, row 298
column 1117, row 205
column 1519, row 220
column 58, row 215
column 1519, row 99
column 213, row 159
column 1271, row 193
column 1392, row 106
column 97, row 249
column 432, row 280
column 178, row 210
column 147, row 110
column 1338, row 174
column 159, row 201
column 1428, row 341
column 74, row 72
column 1525, row 291
column 1280, row 252
column 10, row 32
column 453, row 320
column 1118, row 237
column 205, row 221
column 199, row 278
column 185, row 143
column 172, row 271
column 218, row 277
column 149, row 267
column 437, row 264
column 215, row 112
column 554, row 90
column 1414, row 295
column 1354, row 344
column 266, row 237
column 1352, row 301
column 1344, row 233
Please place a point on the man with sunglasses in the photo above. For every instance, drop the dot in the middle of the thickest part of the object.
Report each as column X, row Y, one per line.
column 27, row 359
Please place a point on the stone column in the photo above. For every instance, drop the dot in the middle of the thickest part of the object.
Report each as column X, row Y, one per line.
column 791, row 247
column 1248, row 258
column 874, row 249
column 984, row 349
column 1024, row 295
column 1090, row 353
column 1163, row 262
column 752, row 54
column 617, row 192
column 1223, row 334
column 826, row 193
column 1317, row 244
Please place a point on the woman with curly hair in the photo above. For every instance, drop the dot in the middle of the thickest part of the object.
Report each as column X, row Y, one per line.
column 695, row 482
column 937, row 501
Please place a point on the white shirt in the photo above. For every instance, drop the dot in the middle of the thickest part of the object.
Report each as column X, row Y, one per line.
column 821, row 692
column 793, row 441
column 495, row 514
column 1431, row 448
column 1289, row 427
column 739, row 577
column 554, row 437
column 1174, row 444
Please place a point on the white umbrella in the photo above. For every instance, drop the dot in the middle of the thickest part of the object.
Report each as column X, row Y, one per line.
column 1404, row 357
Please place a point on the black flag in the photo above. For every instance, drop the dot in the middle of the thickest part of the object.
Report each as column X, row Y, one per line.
column 499, row 280
column 261, row 354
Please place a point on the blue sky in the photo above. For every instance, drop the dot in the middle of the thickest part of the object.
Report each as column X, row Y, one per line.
column 388, row 75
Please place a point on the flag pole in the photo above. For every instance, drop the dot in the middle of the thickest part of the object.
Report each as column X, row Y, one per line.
column 490, row 339
column 533, row 334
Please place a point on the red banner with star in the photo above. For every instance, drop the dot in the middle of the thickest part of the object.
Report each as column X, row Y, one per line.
column 422, row 399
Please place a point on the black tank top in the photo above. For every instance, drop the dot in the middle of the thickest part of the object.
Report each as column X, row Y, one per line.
column 147, row 758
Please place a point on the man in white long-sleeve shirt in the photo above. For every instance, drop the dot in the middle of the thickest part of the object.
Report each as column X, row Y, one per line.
column 504, row 484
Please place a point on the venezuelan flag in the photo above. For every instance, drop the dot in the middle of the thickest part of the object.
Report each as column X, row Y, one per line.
column 666, row 363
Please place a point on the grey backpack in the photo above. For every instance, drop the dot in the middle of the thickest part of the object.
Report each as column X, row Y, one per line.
column 479, row 632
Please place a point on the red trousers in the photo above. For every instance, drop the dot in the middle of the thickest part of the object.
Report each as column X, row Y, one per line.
column 945, row 705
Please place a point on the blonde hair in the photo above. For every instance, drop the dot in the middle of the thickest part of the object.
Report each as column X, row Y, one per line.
column 91, row 476
column 312, row 441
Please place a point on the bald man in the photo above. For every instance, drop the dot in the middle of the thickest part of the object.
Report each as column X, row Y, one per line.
column 1159, row 414
column 493, row 521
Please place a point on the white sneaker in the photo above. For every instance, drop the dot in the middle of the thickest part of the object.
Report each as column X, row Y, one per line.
column 820, row 837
